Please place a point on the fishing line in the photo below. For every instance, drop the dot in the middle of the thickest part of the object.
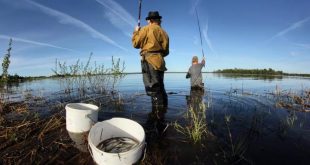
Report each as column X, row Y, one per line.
column 199, row 33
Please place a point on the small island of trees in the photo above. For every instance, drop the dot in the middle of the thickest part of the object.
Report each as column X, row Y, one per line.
column 251, row 71
column 260, row 72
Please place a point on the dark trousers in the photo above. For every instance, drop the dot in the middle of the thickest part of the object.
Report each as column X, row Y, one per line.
column 154, row 84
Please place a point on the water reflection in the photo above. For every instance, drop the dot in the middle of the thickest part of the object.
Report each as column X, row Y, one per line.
column 252, row 76
column 195, row 128
column 80, row 140
column 195, row 99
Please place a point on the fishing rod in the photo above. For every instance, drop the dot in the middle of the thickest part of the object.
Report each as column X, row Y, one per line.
column 203, row 55
column 139, row 18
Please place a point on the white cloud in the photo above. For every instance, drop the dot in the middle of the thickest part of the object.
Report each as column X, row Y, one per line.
column 67, row 19
column 194, row 6
column 207, row 39
column 292, row 27
column 305, row 46
column 34, row 42
column 118, row 16
column 118, row 11
column 294, row 54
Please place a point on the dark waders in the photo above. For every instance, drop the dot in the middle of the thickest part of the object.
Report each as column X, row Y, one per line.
column 154, row 84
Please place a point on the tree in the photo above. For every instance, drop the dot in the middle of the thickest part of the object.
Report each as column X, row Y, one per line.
column 6, row 62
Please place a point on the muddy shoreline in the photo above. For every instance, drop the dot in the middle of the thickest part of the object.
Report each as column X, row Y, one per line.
column 33, row 139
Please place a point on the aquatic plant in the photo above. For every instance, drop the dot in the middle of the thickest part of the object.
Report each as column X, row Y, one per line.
column 117, row 72
column 234, row 148
column 85, row 78
column 117, row 69
column 6, row 63
column 196, row 128
column 286, row 124
column 293, row 100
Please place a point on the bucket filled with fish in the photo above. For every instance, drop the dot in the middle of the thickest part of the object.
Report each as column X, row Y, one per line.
column 116, row 141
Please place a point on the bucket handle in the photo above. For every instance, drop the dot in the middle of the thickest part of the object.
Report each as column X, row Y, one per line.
column 144, row 152
column 90, row 151
column 89, row 116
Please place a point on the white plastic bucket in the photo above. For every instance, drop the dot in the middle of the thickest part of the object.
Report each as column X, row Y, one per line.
column 116, row 127
column 80, row 117
column 80, row 140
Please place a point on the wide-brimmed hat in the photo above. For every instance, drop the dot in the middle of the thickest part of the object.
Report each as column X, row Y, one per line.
column 153, row 15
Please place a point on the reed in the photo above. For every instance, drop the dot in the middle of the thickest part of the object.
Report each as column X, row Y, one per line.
column 235, row 148
column 286, row 124
column 88, row 78
column 293, row 100
column 34, row 140
column 196, row 128
column 55, row 122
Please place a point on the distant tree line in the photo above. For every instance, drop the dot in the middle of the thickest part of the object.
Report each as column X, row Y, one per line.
column 296, row 74
column 262, row 72
column 251, row 71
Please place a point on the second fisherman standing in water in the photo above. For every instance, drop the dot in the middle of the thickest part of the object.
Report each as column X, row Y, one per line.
column 154, row 44
column 195, row 75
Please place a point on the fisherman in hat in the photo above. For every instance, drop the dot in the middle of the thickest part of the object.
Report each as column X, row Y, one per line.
column 154, row 44
column 194, row 73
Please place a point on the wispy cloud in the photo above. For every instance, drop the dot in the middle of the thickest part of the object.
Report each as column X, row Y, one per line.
column 207, row 39
column 305, row 46
column 292, row 27
column 118, row 16
column 295, row 54
column 35, row 42
column 194, row 6
column 35, row 67
column 67, row 19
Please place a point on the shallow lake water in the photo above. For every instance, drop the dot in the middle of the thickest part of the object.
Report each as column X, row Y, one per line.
column 241, row 114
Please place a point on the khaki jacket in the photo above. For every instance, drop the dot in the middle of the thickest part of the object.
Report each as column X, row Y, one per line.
column 154, row 44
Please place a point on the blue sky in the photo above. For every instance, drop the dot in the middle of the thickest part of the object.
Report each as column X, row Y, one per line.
column 245, row 34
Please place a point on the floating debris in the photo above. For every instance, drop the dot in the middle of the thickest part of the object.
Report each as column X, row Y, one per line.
column 117, row 144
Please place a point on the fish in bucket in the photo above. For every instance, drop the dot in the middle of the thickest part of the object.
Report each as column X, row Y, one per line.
column 116, row 141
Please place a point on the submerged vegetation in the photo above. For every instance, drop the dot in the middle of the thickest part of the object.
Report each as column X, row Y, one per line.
column 196, row 130
column 292, row 100
column 196, row 126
